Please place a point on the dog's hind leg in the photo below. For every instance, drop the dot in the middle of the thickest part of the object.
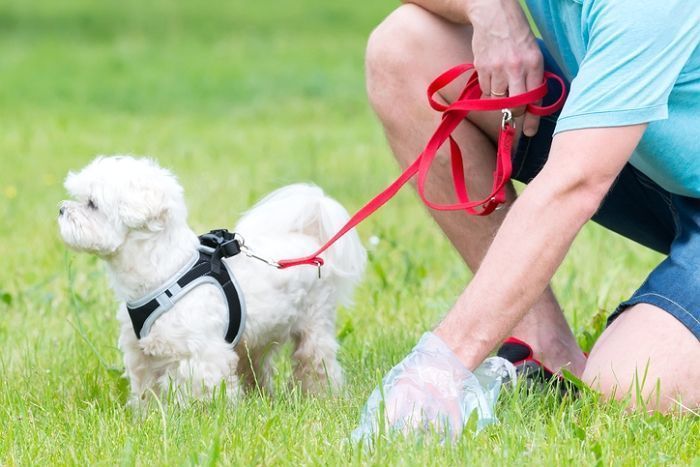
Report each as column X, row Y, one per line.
column 316, row 367
column 256, row 369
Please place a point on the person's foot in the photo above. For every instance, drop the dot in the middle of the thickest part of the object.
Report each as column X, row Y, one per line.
column 555, row 351
column 529, row 369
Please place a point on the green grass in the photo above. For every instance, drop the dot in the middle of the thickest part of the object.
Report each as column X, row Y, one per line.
column 240, row 98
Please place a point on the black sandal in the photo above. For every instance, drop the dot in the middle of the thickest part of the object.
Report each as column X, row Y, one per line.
column 531, row 371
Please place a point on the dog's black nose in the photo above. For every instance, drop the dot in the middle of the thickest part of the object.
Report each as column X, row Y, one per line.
column 61, row 210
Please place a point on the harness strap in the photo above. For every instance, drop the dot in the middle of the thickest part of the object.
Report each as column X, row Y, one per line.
column 452, row 115
column 206, row 268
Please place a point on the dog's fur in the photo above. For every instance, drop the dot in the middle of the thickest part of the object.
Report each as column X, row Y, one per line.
column 132, row 214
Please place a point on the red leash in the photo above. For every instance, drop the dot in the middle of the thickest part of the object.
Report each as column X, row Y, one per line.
column 452, row 115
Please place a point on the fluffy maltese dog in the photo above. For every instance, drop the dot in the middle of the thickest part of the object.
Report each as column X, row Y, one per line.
column 131, row 213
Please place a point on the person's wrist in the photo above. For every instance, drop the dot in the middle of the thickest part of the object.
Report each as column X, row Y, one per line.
column 481, row 13
column 463, row 348
column 436, row 350
column 476, row 11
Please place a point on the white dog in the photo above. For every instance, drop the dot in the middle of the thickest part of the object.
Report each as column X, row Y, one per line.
column 132, row 214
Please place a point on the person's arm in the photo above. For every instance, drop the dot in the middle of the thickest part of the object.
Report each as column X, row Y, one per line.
column 452, row 10
column 462, row 11
column 433, row 385
column 535, row 237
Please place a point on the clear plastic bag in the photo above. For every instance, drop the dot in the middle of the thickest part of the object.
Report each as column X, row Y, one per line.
column 430, row 390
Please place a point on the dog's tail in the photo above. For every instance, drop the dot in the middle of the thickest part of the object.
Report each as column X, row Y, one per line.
column 306, row 209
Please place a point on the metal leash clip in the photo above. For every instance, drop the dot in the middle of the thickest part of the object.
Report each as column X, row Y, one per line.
column 500, row 205
column 270, row 262
column 250, row 254
column 507, row 119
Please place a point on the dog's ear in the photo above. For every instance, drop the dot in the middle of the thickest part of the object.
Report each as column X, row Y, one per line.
column 149, row 196
column 145, row 207
column 152, row 199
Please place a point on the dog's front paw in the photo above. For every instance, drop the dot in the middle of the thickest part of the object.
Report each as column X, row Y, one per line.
column 137, row 404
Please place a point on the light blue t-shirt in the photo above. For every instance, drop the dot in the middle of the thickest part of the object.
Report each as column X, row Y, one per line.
column 631, row 62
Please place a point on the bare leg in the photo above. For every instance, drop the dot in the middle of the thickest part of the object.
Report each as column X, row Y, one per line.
column 404, row 54
column 649, row 355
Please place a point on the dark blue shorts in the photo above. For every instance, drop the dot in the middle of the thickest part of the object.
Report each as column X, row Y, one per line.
column 639, row 209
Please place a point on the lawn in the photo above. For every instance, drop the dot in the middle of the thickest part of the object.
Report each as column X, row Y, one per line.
column 239, row 98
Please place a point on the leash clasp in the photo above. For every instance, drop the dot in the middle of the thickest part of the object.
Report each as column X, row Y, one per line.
column 251, row 254
column 507, row 120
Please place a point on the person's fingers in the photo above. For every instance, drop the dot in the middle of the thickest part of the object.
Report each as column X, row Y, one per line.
column 532, row 80
column 499, row 85
column 485, row 82
column 516, row 85
column 531, row 123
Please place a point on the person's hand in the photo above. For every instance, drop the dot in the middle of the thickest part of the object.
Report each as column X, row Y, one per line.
column 430, row 389
column 506, row 54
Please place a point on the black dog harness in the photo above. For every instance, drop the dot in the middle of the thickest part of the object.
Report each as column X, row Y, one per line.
column 205, row 267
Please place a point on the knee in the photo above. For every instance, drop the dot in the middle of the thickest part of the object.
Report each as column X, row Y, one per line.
column 600, row 376
column 617, row 381
column 392, row 51
column 642, row 358
column 639, row 383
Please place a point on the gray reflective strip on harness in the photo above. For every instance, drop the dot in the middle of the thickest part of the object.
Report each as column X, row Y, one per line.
column 169, row 284
column 171, row 292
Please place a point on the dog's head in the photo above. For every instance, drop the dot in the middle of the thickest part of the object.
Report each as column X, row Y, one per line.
column 118, row 198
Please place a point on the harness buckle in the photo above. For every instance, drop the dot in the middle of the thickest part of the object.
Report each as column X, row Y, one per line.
column 222, row 240
column 230, row 248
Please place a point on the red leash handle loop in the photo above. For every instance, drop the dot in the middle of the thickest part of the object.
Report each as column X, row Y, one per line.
column 446, row 78
column 452, row 115
column 557, row 105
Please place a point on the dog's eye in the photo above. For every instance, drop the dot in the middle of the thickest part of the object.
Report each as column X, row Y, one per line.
column 91, row 204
